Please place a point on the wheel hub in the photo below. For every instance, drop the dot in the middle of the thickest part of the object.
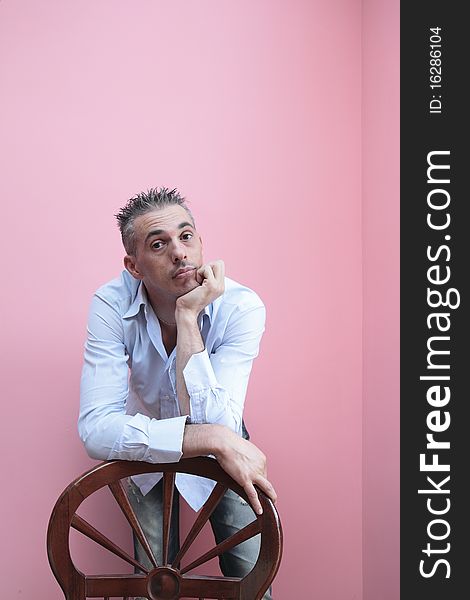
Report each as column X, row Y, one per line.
column 164, row 584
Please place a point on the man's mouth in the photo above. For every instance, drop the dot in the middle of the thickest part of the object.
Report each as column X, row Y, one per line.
column 183, row 272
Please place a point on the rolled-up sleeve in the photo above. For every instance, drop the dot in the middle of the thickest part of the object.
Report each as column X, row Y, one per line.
column 217, row 382
column 104, row 427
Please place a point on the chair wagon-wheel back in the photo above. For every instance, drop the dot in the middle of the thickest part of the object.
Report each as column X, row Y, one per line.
column 166, row 581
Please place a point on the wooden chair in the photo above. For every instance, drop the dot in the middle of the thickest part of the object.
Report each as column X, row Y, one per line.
column 165, row 581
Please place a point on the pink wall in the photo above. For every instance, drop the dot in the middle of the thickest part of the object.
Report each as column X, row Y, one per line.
column 253, row 110
column 381, row 192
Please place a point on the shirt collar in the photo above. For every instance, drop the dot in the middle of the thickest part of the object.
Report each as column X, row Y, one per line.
column 141, row 298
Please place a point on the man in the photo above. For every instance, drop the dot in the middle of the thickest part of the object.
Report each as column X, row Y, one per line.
column 167, row 360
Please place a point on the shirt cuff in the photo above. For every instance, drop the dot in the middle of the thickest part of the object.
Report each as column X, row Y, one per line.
column 198, row 373
column 200, row 381
column 165, row 440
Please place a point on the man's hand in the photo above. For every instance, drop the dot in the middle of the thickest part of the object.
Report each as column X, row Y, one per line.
column 245, row 463
column 211, row 285
column 239, row 458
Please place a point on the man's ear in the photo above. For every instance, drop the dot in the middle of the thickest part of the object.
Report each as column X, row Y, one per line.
column 129, row 263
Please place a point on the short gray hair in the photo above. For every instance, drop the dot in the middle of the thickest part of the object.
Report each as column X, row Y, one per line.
column 154, row 198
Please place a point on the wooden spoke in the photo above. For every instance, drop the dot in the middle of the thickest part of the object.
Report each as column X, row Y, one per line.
column 90, row 532
column 168, row 493
column 202, row 518
column 210, row 587
column 119, row 493
column 116, row 585
column 237, row 538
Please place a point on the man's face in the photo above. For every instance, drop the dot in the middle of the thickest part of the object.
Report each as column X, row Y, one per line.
column 168, row 252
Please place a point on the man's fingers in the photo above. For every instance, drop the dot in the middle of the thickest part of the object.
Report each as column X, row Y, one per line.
column 199, row 275
column 205, row 272
column 218, row 268
column 212, row 276
column 266, row 487
column 253, row 498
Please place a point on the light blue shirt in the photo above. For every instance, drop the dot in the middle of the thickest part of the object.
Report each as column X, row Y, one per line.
column 128, row 403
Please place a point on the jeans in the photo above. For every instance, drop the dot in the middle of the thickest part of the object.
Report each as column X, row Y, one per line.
column 231, row 514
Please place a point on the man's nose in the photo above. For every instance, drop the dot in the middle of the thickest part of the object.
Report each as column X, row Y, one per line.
column 178, row 251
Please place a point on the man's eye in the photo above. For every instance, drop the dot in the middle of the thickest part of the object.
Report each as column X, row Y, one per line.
column 157, row 245
column 187, row 236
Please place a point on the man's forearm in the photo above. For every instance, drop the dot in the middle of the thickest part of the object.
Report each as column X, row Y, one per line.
column 188, row 342
column 201, row 440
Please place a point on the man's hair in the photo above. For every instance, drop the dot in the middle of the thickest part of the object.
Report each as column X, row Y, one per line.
column 154, row 198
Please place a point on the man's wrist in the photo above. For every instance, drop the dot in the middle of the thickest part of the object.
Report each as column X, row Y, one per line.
column 203, row 439
column 186, row 315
